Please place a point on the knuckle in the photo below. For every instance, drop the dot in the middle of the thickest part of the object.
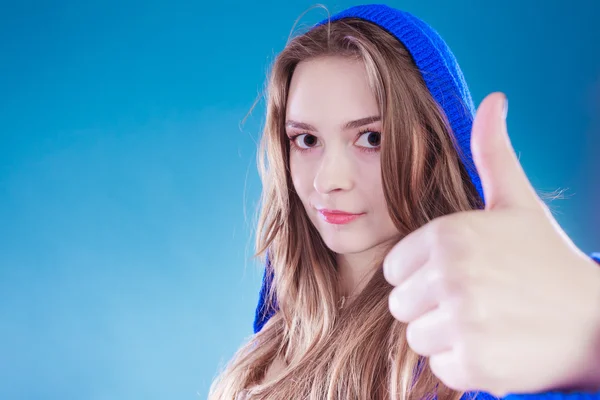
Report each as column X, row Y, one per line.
column 440, row 229
column 468, row 362
column 468, row 318
column 450, row 239
column 470, row 312
column 443, row 282
column 473, row 369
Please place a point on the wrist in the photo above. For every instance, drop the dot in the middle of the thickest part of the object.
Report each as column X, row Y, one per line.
column 586, row 377
column 591, row 375
column 596, row 367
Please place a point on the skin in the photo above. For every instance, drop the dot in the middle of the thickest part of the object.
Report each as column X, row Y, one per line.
column 500, row 299
column 336, row 170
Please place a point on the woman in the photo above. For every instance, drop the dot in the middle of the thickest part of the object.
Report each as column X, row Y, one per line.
column 366, row 148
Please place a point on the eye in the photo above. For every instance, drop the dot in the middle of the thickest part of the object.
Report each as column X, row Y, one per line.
column 369, row 139
column 304, row 140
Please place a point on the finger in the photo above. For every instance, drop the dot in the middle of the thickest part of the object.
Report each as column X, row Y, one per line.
column 406, row 257
column 415, row 296
column 431, row 334
column 503, row 180
column 446, row 367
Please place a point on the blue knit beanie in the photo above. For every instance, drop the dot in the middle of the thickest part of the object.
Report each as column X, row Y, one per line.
column 443, row 78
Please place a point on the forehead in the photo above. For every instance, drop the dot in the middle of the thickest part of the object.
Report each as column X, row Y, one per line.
column 329, row 91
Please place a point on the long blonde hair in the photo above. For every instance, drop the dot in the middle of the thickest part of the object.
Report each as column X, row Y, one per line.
column 358, row 352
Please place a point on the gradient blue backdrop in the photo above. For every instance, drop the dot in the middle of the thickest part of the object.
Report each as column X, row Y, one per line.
column 128, row 185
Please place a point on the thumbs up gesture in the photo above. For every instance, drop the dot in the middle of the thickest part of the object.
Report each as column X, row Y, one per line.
column 500, row 299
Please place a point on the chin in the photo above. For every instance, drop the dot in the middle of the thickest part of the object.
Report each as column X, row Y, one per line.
column 344, row 239
column 346, row 244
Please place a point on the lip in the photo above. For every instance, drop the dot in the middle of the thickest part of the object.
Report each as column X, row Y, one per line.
column 338, row 217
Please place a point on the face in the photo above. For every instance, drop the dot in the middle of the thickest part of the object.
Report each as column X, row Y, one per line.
column 334, row 125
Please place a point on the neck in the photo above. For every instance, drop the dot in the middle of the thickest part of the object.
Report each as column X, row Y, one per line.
column 356, row 269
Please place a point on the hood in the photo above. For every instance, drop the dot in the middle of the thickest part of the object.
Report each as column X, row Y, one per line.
column 443, row 78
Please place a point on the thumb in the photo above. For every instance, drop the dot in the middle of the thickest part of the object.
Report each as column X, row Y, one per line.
column 503, row 180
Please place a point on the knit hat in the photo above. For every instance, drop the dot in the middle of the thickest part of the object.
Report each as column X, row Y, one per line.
column 443, row 78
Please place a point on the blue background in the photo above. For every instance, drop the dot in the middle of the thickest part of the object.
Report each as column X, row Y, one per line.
column 128, row 184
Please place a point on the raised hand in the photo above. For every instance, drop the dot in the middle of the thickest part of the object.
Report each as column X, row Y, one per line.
column 500, row 299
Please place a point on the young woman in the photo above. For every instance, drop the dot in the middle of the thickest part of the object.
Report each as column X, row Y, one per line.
column 407, row 255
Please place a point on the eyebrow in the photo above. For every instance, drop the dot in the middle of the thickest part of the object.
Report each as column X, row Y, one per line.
column 349, row 125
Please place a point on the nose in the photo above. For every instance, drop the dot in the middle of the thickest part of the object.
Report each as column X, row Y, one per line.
column 334, row 172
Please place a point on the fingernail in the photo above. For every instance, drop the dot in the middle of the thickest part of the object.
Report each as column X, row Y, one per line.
column 386, row 270
column 505, row 107
column 394, row 304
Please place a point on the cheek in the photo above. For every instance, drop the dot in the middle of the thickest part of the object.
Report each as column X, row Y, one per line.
column 377, row 190
column 385, row 225
column 373, row 189
column 372, row 183
column 302, row 178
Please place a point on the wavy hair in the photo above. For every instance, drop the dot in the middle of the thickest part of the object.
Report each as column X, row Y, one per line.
column 360, row 351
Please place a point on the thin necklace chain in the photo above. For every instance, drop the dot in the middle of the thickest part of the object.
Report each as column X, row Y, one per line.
column 342, row 301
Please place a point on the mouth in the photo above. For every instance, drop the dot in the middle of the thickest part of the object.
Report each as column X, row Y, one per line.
column 338, row 217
